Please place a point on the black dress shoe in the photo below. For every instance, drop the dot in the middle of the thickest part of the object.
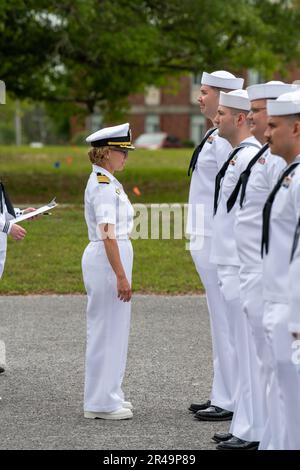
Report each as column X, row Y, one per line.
column 199, row 406
column 214, row 413
column 237, row 444
column 2, row 370
column 221, row 436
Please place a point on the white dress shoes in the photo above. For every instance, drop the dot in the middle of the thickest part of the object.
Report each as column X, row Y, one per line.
column 121, row 413
column 127, row 404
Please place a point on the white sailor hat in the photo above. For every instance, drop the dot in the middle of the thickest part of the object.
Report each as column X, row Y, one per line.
column 269, row 90
column 284, row 105
column 2, row 92
column 115, row 136
column 222, row 79
column 237, row 99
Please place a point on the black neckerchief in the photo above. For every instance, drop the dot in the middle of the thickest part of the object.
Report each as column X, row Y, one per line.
column 268, row 208
column 296, row 240
column 243, row 181
column 198, row 149
column 223, row 170
column 9, row 206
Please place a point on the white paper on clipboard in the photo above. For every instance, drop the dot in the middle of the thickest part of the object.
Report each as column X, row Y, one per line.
column 42, row 209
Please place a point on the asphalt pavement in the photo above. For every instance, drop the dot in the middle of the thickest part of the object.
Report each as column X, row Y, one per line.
column 169, row 365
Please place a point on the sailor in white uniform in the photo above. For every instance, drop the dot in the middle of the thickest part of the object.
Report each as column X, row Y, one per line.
column 294, row 326
column 294, row 291
column 251, row 192
column 107, row 269
column 7, row 214
column 280, row 217
column 207, row 159
column 233, row 125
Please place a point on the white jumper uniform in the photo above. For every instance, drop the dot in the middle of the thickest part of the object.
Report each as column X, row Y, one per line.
column 108, row 318
column 294, row 291
column 6, row 221
column 225, row 255
column 248, row 227
column 276, row 266
column 199, row 228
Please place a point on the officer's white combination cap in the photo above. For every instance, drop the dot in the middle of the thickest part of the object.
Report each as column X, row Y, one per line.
column 2, row 92
column 237, row 99
column 222, row 79
column 284, row 105
column 115, row 136
column 269, row 90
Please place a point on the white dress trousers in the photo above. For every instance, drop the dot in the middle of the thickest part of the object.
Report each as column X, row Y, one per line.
column 201, row 195
column 246, row 423
column 108, row 323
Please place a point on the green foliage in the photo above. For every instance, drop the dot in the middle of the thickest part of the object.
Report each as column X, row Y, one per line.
column 96, row 53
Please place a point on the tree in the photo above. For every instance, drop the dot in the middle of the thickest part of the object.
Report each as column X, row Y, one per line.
column 97, row 52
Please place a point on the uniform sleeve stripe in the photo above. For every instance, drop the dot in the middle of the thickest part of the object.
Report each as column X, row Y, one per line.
column 6, row 227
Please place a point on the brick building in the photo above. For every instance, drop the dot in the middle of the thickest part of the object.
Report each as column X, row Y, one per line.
column 173, row 109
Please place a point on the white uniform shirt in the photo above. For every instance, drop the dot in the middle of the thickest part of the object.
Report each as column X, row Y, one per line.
column 6, row 218
column 248, row 222
column 210, row 160
column 283, row 220
column 107, row 203
column 224, row 249
column 294, row 292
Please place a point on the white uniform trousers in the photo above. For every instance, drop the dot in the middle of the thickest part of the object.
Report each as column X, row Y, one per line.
column 3, row 247
column 108, row 325
column 244, row 423
column 253, row 309
column 284, row 399
column 223, row 388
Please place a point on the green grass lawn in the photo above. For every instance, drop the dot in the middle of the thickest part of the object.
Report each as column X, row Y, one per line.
column 31, row 175
column 49, row 259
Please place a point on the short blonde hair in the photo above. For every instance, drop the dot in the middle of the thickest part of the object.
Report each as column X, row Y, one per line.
column 98, row 154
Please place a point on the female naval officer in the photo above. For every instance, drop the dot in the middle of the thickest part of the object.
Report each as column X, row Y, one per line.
column 107, row 267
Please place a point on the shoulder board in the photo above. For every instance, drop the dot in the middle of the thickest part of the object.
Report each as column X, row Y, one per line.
column 103, row 179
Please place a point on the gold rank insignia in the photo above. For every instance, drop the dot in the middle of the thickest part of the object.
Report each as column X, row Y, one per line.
column 103, row 179
column 118, row 191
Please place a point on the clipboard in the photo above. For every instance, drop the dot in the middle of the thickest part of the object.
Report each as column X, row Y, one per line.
column 42, row 209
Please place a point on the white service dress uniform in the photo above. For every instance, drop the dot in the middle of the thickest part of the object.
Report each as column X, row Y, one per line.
column 225, row 255
column 285, row 213
column 248, row 227
column 199, row 230
column 108, row 318
column 294, row 321
column 6, row 220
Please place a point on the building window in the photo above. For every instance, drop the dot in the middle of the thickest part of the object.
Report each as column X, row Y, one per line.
column 152, row 96
column 96, row 121
column 198, row 129
column 152, row 123
column 196, row 79
column 254, row 77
